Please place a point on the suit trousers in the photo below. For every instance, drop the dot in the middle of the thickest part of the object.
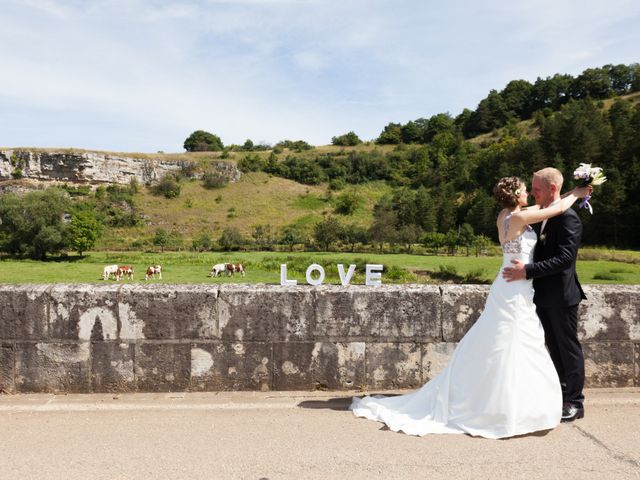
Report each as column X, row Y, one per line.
column 560, row 326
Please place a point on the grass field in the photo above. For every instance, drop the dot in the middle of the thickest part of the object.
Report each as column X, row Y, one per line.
column 257, row 198
column 264, row 267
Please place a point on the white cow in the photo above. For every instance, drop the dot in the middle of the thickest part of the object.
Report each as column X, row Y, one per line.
column 153, row 271
column 218, row 269
column 110, row 270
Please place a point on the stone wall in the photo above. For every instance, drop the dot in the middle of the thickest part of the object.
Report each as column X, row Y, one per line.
column 156, row 337
column 94, row 168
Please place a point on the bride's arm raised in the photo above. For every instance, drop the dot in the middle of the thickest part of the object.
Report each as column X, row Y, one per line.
column 529, row 216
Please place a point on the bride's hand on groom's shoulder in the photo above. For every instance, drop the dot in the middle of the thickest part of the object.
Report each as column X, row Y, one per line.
column 515, row 272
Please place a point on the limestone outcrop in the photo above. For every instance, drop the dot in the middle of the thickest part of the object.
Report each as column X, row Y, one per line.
column 94, row 168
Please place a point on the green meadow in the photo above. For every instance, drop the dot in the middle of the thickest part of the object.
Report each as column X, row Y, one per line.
column 264, row 267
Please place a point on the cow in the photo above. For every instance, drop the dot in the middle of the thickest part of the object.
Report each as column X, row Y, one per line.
column 217, row 269
column 109, row 270
column 234, row 267
column 125, row 270
column 153, row 271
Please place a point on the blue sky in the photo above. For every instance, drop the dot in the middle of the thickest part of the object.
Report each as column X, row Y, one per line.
column 141, row 75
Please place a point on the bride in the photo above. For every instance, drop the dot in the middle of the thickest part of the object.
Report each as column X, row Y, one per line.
column 500, row 381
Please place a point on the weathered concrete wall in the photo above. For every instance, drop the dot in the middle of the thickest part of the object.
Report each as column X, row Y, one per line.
column 108, row 338
column 94, row 168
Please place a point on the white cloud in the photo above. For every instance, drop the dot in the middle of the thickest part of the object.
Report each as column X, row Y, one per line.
column 280, row 68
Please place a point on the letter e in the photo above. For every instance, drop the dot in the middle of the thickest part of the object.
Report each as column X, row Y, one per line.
column 373, row 274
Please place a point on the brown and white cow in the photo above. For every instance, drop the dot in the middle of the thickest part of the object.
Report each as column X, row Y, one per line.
column 234, row 267
column 153, row 271
column 125, row 271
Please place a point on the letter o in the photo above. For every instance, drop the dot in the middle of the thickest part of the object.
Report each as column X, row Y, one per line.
column 310, row 279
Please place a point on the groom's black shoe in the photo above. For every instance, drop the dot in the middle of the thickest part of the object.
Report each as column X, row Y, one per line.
column 571, row 412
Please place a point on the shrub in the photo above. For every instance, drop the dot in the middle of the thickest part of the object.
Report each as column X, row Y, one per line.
column 607, row 276
column 347, row 140
column 477, row 275
column 337, row 184
column 167, row 186
column 211, row 180
column 347, row 203
column 251, row 163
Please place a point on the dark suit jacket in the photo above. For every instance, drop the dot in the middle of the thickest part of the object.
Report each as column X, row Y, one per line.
column 553, row 270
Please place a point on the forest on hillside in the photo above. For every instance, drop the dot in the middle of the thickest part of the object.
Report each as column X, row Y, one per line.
column 442, row 180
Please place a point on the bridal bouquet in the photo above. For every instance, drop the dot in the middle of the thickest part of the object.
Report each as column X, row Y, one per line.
column 585, row 175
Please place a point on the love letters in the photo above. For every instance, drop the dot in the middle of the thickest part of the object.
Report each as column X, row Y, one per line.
column 373, row 274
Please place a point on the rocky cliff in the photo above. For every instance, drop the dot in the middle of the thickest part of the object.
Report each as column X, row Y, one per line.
column 93, row 168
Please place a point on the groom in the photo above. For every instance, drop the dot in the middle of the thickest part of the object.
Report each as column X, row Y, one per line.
column 557, row 290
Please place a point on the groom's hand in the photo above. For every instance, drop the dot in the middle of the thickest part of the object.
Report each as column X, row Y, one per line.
column 517, row 272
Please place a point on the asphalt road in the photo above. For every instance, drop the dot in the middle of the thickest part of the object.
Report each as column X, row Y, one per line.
column 301, row 435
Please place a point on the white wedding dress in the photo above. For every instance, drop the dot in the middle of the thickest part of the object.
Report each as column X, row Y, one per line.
column 500, row 380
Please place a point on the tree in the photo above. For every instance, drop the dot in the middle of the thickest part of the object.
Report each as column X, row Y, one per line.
column 551, row 92
column 426, row 210
column 408, row 235
column 347, row 140
column 201, row 141
column 481, row 216
column 466, row 236
column 447, row 210
column 411, row 133
column 352, row 234
column 439, row 123
column 248, row 145
column 451, row 241
column 291, row 236
column 621, row 77
column 231, row 239
column 593, row 82
column 84, row 230
column 434, row 241
column 384, row 227
column 161, row 238
column 327, row 231
column 517, row 96
column 34, row 225
column 480, row 243
column 578, row 133
column 263, row 236
column 391, row 135
column 202, row 242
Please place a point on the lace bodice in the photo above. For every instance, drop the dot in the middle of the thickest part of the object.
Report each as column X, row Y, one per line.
column 522, row 245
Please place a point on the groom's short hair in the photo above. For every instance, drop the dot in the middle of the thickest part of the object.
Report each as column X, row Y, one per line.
column 551, row 176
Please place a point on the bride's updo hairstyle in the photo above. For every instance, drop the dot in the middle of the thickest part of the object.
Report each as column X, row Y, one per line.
column 507, row 191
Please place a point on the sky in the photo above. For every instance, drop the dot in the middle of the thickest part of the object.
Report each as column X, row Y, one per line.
column 141, row 75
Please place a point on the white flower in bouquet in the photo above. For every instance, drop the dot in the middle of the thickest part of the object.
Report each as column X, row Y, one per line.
column 585, row 174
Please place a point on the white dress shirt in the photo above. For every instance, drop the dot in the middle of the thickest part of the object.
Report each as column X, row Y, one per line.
column 544, row 222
